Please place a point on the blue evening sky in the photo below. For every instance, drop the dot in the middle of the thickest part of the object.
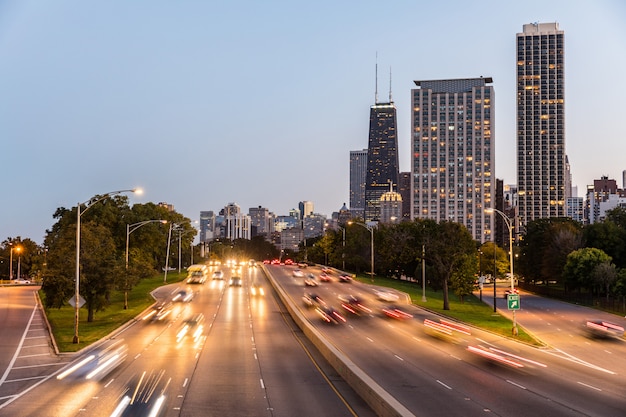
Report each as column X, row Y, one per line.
column 203, row 103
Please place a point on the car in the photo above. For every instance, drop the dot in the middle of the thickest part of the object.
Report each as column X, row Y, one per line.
column 384, row 295
column 310, row 281
column 510, row 291
column 354, row 305
column 603, row 329
column 396, row 312
column 324, row 277
column 183, row 296
column 302, row 265
column 145, row 395
column 21, row 281
column 266, row 262
column 297, row 273
column 327, row 271
column 235, row 281
column 191, row 326
column 312, row 300
column 256, row 289
column 161, row 311
column 345, row 278
column 288, row 262
column 96, row 363
column 218, row 275
column 275, row 262
column 330, row 315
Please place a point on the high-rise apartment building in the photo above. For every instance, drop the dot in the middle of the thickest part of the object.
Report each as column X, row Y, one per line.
column 306, row 209
column 453, row 158
column 358, row 175
column 260, row 221
column 543, row 177
column 382, row 156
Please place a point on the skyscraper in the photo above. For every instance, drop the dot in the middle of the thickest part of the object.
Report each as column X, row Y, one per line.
column 358, row 175
column 453, row 158
column 543, row 177
column 382, row 155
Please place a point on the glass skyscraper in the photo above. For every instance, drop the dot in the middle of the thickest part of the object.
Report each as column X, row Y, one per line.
column 543, row 177
column 382, row 157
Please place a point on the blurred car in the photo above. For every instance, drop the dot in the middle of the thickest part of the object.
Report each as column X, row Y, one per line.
column 275, row 262
column 312, row 300
column 302, row 265
column 297, row 273
column 327, row 271
column 97, row 363
column 218, row 275
column 384, row 295
column 310, row 281
column 21, row 281
column 235, row 281
column 345, row 278
column 396, row 312
column 257, row 289
column 330, row 315
column 183, row 296
column 288, row 262
column 354, row 305
column 510, row 291
column 145, row 395
column 191, row 326
column 161, row 311
column 324, row 277
column 266, row 261
column 603, row 329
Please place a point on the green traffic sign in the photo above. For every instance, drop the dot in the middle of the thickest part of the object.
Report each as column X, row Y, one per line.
column 512, row 301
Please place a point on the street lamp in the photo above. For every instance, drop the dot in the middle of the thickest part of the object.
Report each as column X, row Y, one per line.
column 11, row 263
column 371, row 230
column 79, row 213
column 509, row 225
column 130, row 228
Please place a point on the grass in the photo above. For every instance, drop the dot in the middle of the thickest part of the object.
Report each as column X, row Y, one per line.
column 62, row 320
column 471, row 310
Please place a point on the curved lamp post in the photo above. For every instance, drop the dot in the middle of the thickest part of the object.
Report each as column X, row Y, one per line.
column 509, row 225
column 130, row 228
column 371, row 230
column 79, row 213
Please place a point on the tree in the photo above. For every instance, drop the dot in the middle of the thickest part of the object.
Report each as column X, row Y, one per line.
column 609, row 237
column 462, row 279
column 580, row 265
column 604, row 276
column 502, row 266
column 449, row 248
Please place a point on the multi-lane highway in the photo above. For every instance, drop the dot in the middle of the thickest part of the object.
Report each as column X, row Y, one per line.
column 432, row 374
column 250, row 359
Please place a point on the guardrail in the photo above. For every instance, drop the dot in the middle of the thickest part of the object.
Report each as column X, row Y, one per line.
column 383, row 403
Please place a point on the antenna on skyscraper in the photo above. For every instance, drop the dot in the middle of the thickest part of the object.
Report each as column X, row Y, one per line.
column 390, row 99
column 376, row 90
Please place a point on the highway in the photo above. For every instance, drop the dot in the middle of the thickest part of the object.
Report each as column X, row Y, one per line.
column 250, row 360
column 435, row 374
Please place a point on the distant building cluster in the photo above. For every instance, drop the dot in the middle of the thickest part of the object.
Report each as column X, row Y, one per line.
column 452, row 175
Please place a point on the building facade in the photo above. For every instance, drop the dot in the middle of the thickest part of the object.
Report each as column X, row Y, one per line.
column 543, row 177
column 453, row 158
column 382, row 156
column 390, row 207
column 358, row 175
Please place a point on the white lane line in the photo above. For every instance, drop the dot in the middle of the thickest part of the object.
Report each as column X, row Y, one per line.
column 398, row 357
column 447, row 386
column 19, row 347
column 262, row 384
column 516, row 384
column 589, row 386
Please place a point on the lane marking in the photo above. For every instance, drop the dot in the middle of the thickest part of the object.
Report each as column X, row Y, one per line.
column 19, row 347
column 589, row 386
column 516, row 384
column 447, row 386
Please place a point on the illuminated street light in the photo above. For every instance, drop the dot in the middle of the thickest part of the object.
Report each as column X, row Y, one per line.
column 371, row 230
column 130, row 228
column 79, row 213
column 509, row 225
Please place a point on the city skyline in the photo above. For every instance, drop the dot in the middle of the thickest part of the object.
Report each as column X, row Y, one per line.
column 202, row 104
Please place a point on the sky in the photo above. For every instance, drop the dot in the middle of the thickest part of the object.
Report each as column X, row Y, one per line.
column 204, row 103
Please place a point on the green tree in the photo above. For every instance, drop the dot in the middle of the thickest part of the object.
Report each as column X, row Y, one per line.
column 604, row 276
column 578, row 271
column 462, row 279
column 448, row 253
column 609, row 237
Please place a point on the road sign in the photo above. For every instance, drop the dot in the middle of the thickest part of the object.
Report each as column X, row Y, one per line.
column 81, row 301
column 512, row 301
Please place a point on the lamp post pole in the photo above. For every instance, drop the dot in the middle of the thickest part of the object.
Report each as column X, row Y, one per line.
column 343, row 250
column 11, row 263
column 509, row 225
column 130, row 228
column 495, row 247
column 423, row 273
column 167, row 254
column 79, row 213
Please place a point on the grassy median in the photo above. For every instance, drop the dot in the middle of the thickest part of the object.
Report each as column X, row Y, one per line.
column 470, row 310
column 62, row 320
